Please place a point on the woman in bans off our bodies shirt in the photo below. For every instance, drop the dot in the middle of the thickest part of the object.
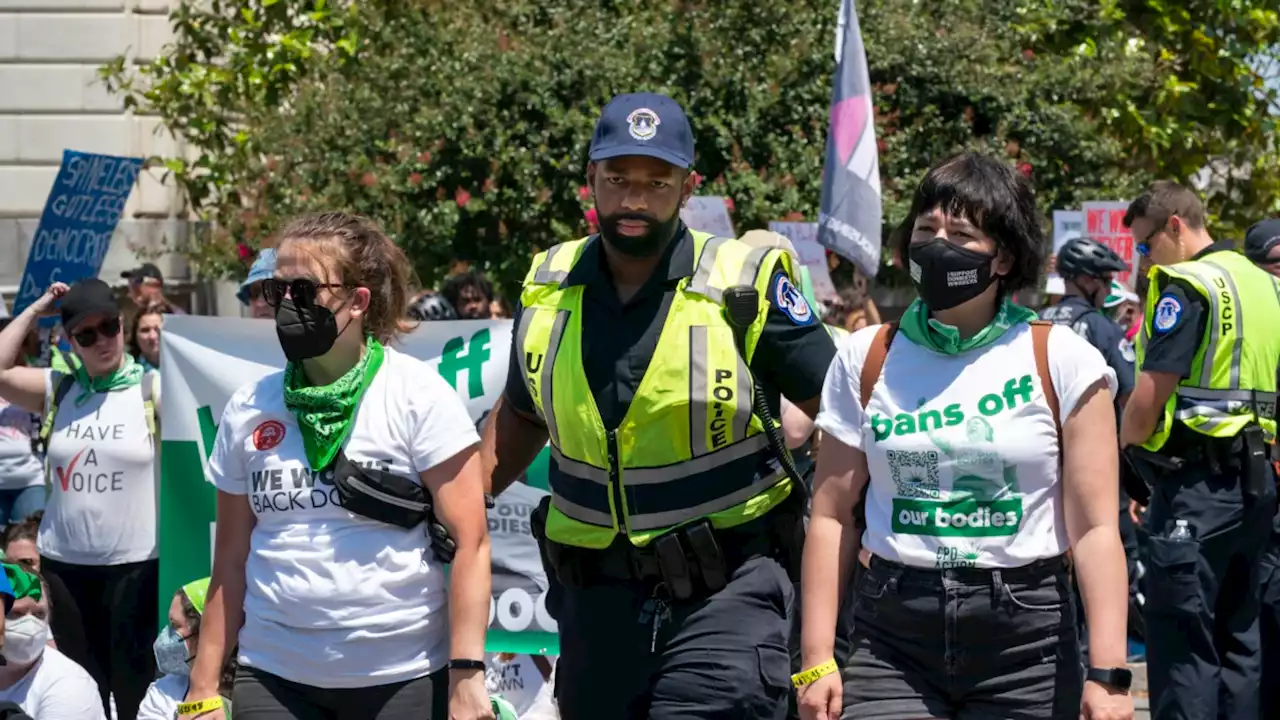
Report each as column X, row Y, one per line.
column 337, row 615
column 99, row 531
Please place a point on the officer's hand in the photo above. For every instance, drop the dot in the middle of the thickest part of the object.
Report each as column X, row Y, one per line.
column 1100, row 702
column 442, row 546
column 1136, row 511
column 821, row 699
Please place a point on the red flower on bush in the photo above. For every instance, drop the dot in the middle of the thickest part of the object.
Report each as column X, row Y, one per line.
column 584, row 193
column 728, row 203
column 462, row 197
column 415, row 179
column 1025, row 169
column 592, row 218
column 368, row 179
column 244, row 252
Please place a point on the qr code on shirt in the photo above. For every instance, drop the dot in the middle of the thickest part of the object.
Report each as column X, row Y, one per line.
column 915, row 473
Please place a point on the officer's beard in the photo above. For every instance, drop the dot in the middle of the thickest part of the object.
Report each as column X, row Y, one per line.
column 648, row 245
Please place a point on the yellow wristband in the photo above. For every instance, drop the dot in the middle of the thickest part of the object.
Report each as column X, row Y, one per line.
column 805, row 677
column 199, row 706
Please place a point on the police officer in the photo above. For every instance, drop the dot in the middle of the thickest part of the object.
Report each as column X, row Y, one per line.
column 1086, row 267
column 672, row 526
column 1205, row 402
column 1262, row 246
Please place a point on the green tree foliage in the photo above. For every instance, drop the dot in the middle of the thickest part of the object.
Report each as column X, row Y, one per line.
column 462, row 127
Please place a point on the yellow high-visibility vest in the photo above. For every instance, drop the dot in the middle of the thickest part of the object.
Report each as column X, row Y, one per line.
column 689, row 446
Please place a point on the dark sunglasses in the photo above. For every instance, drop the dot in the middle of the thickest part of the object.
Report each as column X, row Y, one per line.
column 302, row 290
column 89, row 336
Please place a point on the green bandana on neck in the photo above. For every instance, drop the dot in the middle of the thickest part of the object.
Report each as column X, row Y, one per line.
column 945, row 339
column 128, row 375
column 324, row 413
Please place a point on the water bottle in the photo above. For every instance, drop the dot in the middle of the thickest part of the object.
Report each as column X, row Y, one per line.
column 1181, row 532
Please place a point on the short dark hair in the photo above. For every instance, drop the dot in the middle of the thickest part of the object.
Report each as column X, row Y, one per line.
column 1162, row 200
column 996, row 198
column 453, row 287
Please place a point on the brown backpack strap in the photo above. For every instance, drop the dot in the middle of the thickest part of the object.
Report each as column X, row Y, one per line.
column 874, row 362
column 1040, row 330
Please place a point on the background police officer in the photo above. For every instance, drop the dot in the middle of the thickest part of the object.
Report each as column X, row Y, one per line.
column 1262, row 246
column 1205, row 394
column 1087, row 267
column 623, row 357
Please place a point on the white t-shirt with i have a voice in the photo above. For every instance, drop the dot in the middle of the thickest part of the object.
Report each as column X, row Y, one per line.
column 333, row 599
column 962, row 449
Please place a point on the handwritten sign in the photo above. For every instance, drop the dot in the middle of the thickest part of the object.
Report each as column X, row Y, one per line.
column 79, row 218
column 1104, row 222
column 708, row 214
column 804, row 236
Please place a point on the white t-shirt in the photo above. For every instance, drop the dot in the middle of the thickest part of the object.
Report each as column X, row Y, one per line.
column 515, row 677
column 333, row 599
column 102, row 462
column 962, row 449
column 56, row 688
column 162, row 698
column 19, row 467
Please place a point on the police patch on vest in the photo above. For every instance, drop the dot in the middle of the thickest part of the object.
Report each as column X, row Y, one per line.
column 643, row 123
column 1168, row 313
column 791, row 301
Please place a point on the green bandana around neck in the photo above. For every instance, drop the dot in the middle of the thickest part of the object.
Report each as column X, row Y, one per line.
column 128, row 375
column 945, row 339
column 325, row 413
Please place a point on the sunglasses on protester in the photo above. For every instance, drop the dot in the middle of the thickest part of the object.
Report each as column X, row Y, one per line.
column 89, row 336
column 302, row 290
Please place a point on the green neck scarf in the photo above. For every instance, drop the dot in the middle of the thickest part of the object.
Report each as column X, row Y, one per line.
column 325, row 413
column 945, row 339
column 128, row 375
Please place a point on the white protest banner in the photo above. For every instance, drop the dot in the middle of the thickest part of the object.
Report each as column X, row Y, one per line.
column 1067, row 224
column 206, row 359
column 804, row 236
column 1104, row 222
column 708, row 214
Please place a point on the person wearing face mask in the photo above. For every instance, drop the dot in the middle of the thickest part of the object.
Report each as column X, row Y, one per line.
column 966, row 449
column 1204, row 404
column 250, row 293
column 98, row 532
column 175, row 648
column 40, row 679
column 653, row 357
column 339, row 614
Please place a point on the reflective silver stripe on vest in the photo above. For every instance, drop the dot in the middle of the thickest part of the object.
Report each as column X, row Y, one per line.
column 655, row 521
column 1212, row 404
column 1215, row 330
column 545, row 275
column 751, row 266
column 700, row 406
column 547, row 371
column 702, row 275
column 579, row 469
column 581, row 514
column 696, row 466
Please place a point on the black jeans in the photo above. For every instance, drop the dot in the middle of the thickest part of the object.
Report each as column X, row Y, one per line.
column 963, row 643
column 263, row 696
column 1270, row 628
column 120, row 607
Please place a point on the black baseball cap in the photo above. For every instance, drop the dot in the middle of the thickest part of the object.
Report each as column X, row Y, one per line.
column 87, row 297
column 1261, row 239
column 646, row 124
column 142, row 272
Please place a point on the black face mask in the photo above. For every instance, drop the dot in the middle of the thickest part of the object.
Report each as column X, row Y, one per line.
column 640, row 246
column 947, row 275
column 306, row 332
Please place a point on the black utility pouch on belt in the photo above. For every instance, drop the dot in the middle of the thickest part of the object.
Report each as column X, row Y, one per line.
column 1257, row 466
column 380, row 495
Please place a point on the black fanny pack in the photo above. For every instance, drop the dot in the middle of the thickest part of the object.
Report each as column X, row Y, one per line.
column 380, row 495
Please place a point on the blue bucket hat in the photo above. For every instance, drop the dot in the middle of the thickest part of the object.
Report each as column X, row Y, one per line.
column 263, row 268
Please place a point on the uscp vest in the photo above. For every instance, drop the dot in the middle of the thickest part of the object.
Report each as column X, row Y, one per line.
column 689, row 445
column 1232, row 382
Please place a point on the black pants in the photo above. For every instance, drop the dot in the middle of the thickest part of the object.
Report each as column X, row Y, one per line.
column 623, row 657
column 263, row 696
column 120, row 607
column 1270, row 628
column 1203, row 596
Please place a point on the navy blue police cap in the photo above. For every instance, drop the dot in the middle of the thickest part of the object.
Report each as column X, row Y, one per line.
column 1261, row 239
column 645, row 124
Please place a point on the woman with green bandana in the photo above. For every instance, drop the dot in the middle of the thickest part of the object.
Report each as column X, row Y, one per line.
column 99, row 529
column 339, row 615
column 41, row 680
column 175, row 648
column 963, row 458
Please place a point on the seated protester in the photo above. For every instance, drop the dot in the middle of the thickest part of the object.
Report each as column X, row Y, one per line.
column 175, row 648
column 46, row 684
column 67, row 624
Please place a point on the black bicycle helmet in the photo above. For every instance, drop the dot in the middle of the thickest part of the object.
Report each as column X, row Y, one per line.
column 1084, row 256
column 431, row 306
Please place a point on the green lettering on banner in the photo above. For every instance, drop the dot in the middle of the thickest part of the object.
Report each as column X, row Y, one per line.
column 957, row 518
column 472, row 361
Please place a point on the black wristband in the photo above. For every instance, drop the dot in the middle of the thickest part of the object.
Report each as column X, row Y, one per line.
column 466, row 664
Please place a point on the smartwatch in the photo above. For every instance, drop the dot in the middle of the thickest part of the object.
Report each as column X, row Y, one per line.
column 1117, row 678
